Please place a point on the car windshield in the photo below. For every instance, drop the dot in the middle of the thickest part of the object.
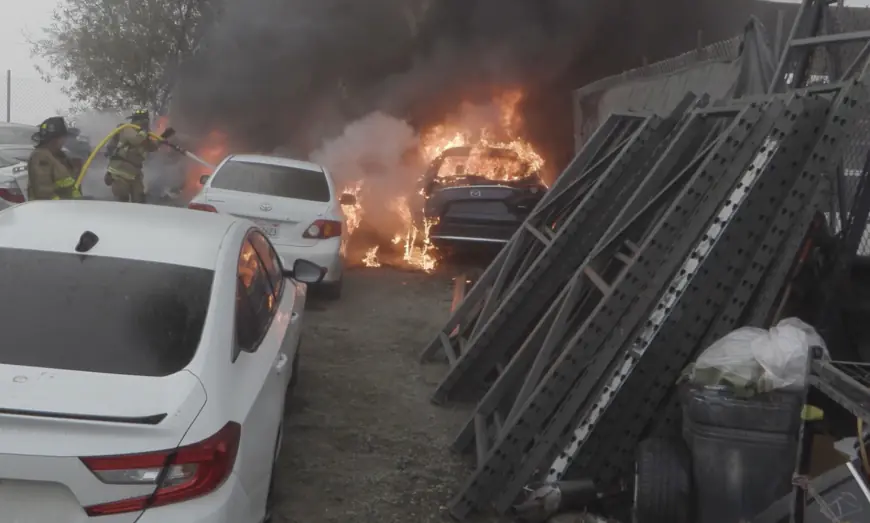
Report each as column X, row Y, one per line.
column 100, row 314
column 480, row 168
column 274, row 180
column 16, row 134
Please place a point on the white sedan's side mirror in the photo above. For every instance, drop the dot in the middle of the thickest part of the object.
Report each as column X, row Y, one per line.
column 306, row 272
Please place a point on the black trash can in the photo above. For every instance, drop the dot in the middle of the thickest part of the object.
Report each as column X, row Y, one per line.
column 743, row 450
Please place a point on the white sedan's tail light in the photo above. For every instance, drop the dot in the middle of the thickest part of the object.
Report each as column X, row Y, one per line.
column 178, row 474
column 322, row 230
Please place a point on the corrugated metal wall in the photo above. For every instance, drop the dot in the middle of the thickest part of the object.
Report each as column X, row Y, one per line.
column 657, row 87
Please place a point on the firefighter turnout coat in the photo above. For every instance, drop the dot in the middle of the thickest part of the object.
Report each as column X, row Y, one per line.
column 51, row 176
column 128, row 158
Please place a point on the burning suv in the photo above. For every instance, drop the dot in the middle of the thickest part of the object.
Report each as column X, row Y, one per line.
column 478, row 195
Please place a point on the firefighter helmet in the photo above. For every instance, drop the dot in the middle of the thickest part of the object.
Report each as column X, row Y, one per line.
column 54, row 127
column 140, row 115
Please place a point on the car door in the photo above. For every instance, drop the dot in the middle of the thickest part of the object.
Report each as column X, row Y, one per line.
column 261, row 370
column 287, row 299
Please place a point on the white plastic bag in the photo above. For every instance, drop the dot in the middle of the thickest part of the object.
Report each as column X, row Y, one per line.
column 762, row 359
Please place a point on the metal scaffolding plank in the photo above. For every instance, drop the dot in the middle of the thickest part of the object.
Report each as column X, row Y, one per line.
column 741, row 262
column 607, row 142
column 611, row 369
column 616, row 250
column 813, row 28
column 602, row 445
column 769, row 293
column 519, row 309
column 692, row 208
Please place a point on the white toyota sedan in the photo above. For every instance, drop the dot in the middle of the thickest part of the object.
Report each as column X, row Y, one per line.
column 13, row 174
column 292, row 201
column 145, row 360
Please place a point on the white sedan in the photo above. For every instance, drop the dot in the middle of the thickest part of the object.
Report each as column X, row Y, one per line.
column 291, row 200
column 13, row 174
column 145, row 360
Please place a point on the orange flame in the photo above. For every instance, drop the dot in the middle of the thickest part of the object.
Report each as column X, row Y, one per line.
column 438, row 139
column 503, row 133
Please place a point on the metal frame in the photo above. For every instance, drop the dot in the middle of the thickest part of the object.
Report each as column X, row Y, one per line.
column 495, row 473
column 607, row 142
column 691, row 145
column 814, row 28
column 592, row 383
column 540, row 278
column 724, row 267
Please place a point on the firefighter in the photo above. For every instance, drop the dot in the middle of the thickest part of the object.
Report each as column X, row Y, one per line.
column 51, row 174
column 128, row 157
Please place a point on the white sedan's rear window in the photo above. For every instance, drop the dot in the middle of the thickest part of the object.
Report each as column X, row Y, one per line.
column 272, row 180
column 100, row 314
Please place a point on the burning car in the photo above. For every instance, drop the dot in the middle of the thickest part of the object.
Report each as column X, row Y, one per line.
column 478, row 195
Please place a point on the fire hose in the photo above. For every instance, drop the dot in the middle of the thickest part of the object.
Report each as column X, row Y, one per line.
column 161, row 140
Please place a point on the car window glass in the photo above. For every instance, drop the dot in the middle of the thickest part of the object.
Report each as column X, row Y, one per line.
column 107, row 315
column 272, row 180
column 255, row 300
column 21, row 155
column 270, row 260
column 17, row 134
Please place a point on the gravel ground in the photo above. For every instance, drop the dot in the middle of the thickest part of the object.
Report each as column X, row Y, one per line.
column 362, row 442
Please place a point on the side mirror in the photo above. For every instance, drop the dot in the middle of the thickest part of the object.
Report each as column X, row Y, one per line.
column 306, row 272
column 347, row 199
column 203, row 179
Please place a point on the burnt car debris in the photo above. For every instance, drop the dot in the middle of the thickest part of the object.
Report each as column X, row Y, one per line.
column 478, row 195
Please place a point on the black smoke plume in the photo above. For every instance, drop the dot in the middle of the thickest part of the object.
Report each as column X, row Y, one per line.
column 293, row 73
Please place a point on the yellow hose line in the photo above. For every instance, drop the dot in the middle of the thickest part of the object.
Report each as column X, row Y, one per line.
column 103, row 143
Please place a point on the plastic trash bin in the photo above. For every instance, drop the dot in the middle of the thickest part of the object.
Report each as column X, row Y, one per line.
column 743, row 450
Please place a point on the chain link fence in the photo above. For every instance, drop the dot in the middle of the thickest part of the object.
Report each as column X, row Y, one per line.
column 29, row 99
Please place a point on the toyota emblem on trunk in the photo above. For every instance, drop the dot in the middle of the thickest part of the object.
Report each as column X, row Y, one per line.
column 475, row 194
column 265, row 207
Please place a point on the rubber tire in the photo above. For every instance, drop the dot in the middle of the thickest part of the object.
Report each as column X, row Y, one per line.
column 663, row 482
column 332, row 291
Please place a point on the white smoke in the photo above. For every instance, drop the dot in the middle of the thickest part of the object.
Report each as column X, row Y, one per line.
column 377, row 153
column 371, row 149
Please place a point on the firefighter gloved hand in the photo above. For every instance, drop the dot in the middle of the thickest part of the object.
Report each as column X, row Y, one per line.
column 168, row 133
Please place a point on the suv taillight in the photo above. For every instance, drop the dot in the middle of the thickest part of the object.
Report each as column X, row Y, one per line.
column 12, row 195
column 322, row 230
column 202, row 207
column 184, row 473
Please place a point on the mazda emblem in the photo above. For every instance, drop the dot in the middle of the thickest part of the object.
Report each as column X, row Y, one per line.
column 265, row 207
column 475, row 194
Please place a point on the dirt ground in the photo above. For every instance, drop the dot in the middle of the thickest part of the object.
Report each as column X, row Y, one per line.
column 362, row 442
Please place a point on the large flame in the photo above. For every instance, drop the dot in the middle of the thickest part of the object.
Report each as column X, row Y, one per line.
column 413, row 245
column 504, row 133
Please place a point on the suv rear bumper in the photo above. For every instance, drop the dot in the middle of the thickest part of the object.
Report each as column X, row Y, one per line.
column 459, row 232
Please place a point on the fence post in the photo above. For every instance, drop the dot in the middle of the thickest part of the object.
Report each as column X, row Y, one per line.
column 8, row 95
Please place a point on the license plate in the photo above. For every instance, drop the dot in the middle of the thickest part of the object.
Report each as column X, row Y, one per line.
column 270, row 228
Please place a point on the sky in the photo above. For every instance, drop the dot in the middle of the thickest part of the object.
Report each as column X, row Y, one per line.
column 34, row 100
